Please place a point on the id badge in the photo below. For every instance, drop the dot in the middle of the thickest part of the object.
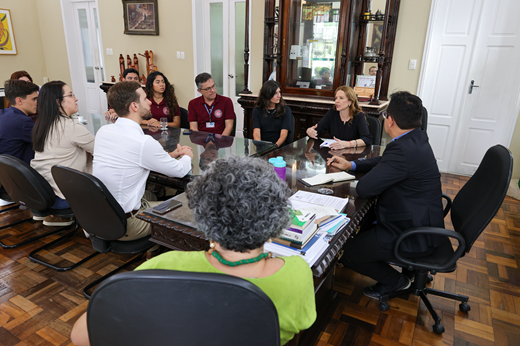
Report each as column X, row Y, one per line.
column 210, row 125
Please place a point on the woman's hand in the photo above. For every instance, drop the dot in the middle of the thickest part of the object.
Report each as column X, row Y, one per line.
column 154, row 123
column 111, row 115
column 339, row 162
column 311, row 132
column 339, row 144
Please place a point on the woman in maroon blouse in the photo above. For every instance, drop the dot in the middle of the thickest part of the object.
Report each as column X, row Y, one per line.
column 164, row 103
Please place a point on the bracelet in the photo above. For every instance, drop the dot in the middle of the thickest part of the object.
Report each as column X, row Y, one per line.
column 355, row 141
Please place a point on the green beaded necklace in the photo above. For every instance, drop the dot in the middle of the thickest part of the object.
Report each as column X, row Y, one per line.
column 237, row 263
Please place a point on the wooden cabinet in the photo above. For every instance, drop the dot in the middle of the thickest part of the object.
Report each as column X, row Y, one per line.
column 312, row 47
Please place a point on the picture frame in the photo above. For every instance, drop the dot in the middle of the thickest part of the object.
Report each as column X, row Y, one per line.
column 7, row 41
column 141, row 17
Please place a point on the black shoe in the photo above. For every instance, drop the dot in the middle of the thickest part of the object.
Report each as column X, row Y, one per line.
column 377, row 290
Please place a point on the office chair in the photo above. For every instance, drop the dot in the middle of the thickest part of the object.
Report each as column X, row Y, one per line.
column 100, row 215
column 290, row 135
column 164, row 307
column 185, row 124
column 26, row 186
column 471, row 211
column 424, row 125
column 374, row 127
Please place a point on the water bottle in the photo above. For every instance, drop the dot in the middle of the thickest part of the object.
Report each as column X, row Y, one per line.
column 279, row 166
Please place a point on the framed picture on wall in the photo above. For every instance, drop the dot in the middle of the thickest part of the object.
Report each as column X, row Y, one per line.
column 141, row 17
column 7, row 44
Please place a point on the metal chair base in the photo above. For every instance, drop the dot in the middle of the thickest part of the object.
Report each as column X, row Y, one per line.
column 27, row 241
column 98, row 281
column 46, row 246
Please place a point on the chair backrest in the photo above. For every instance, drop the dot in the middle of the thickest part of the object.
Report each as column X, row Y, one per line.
column 234, row 130
column 164, row 307
column 184, row 119
column 424, row 125
column 290, row 136
column 374, row 127
column 480, row 198
column 96, row 210
column 25, row 185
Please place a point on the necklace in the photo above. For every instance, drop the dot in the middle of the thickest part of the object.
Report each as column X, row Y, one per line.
column 237, row 263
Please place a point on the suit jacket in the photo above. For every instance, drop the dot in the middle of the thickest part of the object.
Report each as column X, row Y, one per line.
column 407, row 180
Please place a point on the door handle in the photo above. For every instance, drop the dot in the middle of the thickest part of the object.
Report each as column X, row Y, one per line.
column 230, row 76
column 97, row 67
column 471, row 86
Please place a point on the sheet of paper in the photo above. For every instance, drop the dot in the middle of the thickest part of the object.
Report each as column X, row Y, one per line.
column 327, row 142
column 323, row 200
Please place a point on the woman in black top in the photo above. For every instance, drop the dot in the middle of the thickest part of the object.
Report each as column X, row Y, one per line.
column 271, row 117
column 345, row 122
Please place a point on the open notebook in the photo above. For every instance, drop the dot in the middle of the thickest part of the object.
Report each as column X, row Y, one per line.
column 327, row 178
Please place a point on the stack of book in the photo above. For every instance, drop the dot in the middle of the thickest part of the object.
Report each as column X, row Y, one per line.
column 301, row 231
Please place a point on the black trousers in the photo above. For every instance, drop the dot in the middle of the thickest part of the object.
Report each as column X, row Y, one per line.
column 364, row 255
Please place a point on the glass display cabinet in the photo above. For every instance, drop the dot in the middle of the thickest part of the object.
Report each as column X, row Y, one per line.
column 311, row 47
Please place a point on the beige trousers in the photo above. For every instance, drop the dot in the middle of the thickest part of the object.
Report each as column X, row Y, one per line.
column 135, row 228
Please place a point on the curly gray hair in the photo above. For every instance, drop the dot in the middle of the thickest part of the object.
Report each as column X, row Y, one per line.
column 239, row 202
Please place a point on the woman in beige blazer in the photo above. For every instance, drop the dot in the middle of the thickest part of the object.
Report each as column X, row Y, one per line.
column 59, row 140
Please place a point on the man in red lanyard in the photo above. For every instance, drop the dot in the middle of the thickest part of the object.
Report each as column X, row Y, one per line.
column 210, row 112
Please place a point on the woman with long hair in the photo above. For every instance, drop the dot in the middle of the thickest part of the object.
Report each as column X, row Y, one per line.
column 239, row 203
column 344, row 122
column 59, row 140
column 164, row 103
column 271, row 116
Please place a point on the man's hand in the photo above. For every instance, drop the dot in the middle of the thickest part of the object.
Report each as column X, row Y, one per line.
column 111, row 115
column 311, row 132
column 339, row 162
column 181, row 151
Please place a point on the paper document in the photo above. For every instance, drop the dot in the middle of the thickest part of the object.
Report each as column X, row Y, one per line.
column 322, row 200
column 327, row 142
column 329, row 177
column 311, row 256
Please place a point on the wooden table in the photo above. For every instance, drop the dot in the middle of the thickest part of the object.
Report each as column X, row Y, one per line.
column 304, row 159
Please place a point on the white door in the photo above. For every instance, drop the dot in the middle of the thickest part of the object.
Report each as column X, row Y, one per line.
column 85, row 48
column 470, row 40
column 224, row 30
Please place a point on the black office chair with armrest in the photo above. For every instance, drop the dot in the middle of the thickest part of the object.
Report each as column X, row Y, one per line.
column 100, row 215
column 185, row 124
column 374, row 127
column 290, row 135
column 181, row 308
column 26, row 186
column 471, row 211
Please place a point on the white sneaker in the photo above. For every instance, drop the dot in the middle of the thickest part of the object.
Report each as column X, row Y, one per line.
column 3, row 202
column 38, row 218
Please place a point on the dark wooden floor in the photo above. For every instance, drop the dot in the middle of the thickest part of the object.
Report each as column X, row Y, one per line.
column 39, row 306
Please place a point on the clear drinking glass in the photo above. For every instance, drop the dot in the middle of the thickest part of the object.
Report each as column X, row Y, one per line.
column 164, row 124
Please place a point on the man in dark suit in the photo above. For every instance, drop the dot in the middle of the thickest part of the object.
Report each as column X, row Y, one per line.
column 406, row 180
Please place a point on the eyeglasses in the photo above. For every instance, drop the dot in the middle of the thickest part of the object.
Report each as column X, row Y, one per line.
column 71, row 95
column 210, row 88
column 385, row 114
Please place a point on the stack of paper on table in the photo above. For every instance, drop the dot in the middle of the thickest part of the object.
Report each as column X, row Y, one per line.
column 327, row 178
column 325, row 208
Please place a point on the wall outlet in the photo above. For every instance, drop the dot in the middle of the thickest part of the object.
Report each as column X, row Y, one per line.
column 412, row 65
column 110, row 51
column 178, row 55
column 182, row 55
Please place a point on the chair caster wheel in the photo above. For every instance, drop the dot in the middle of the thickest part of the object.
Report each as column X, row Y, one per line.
column 438, row 329
column 383, row 306
column 464, row 307
column 429, row 278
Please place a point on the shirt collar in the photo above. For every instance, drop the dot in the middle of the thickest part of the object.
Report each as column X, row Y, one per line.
column 16, row 110
column 401, row 135
column 125, row 122
column 214, row 102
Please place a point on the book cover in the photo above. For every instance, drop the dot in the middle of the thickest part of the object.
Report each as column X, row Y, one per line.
column 300, row 220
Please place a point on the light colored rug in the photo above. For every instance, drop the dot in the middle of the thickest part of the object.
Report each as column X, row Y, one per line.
column 514, row 190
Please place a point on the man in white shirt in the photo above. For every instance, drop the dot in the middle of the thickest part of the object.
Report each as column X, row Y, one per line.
column 124, row 155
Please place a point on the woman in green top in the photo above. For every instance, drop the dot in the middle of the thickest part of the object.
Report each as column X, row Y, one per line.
column 239, row 203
